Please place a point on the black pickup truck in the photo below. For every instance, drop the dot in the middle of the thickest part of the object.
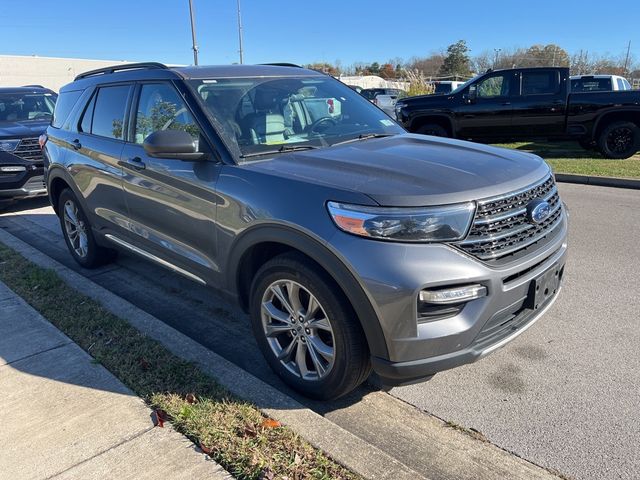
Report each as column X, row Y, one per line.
column 527, row 104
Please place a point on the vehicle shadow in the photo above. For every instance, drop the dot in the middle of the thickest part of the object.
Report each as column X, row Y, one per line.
column 555, row 150
column 196, row 311
column 16, row 206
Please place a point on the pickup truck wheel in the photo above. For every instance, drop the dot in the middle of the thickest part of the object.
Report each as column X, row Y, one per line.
column 78, row 235
column 433, row 129
column 619, row 140
column 306, row 329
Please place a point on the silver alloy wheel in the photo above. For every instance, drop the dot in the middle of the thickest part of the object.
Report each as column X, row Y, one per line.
column 75, row 229
column 298, row 330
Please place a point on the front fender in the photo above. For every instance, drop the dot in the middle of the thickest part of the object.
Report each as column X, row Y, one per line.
column 322, row 254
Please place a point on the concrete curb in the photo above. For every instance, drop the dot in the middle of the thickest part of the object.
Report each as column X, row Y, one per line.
column 598, row 181
column 343, row 446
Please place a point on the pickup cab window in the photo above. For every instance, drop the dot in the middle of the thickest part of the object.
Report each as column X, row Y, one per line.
column 540, row 83
column 494, row 86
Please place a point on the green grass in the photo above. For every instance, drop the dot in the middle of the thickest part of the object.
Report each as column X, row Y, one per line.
column 233, row 432
column 569, row 157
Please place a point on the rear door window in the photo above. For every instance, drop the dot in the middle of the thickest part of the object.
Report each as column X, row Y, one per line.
column 109, row 111
column 540, row 83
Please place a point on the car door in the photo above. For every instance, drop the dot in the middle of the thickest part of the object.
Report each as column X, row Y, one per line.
column 540, row 109
column 486, row 110
column 95, row 144
column 171, row 202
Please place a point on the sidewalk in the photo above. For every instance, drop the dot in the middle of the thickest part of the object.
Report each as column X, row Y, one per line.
column 63, row 416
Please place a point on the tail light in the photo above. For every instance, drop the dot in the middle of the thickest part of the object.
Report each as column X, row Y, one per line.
column 42, row 140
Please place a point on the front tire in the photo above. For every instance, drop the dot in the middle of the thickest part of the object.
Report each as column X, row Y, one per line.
column 619, row 140
column 78, row 235
column 433, row 129
column 306, row 328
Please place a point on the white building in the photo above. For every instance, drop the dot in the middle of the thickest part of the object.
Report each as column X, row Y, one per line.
column 372, row 81
column 50, row 72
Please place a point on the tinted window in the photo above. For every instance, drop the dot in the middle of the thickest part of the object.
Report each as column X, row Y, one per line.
column 539, row 83
column 87, row 116
column 496, row 86
column 64, row 105
column 108, row 115
column 620, row 84
column 627, row 85
column 161, row 108
column 591, row 84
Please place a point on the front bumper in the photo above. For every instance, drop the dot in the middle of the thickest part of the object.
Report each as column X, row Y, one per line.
column 393, row 275
column 28, row 183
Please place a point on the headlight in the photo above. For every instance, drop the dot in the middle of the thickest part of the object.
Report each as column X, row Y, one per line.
column 424, row 224
column 9, row 145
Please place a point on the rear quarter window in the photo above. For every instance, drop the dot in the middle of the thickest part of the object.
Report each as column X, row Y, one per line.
column 64, row 105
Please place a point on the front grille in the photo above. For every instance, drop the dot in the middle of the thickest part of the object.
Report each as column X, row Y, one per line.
column 501, row 227
column 29, row 149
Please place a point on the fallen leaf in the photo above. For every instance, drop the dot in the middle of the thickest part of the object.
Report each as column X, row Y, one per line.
column 205, row 450
column 191, row 398
column 159, row 417
column 270, row 423
column 267, row 474
column 297, row 459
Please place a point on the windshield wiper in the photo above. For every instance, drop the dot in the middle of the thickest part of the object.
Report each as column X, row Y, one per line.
column 282, row 149
column 364, row 136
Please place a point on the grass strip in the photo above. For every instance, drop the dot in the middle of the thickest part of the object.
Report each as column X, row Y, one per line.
column 233, row 432
column 569, row 157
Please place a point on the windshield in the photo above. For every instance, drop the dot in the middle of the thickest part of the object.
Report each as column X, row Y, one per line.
column 462, row 87
column 267, row 115
column 20, row 107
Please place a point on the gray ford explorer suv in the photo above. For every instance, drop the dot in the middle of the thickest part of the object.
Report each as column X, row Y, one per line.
column 353, row 244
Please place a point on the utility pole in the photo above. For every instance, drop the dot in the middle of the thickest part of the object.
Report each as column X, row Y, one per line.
column 240, row 33
column 626, row 60
column 495, row 60
column 193, row 34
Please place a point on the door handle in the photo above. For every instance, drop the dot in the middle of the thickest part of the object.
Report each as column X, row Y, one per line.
column 76, row 144
column 136, row 163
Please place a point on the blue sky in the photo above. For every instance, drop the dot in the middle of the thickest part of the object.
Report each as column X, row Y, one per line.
column 304, row 32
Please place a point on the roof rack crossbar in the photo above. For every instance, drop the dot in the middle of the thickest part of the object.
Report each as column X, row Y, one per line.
column 117, row 68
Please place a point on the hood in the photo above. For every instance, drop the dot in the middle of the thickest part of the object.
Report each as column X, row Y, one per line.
column 412, row 170
column 23, row 129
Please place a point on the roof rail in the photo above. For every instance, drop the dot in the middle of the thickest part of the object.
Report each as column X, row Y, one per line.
column 32, row 86
column 125, row 66
column 282, row 64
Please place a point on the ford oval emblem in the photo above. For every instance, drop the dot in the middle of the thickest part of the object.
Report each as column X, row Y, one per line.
column 538, row 211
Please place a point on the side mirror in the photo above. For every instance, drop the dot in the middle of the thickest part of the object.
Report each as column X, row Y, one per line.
column 175, row 144
column 471, row 95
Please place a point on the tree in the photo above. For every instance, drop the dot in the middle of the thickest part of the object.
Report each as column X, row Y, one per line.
column 456, row 63
column 387, row 71
column 428, row 66
column 325, row 68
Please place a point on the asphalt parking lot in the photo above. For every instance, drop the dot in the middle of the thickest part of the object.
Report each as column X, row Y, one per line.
column 564, row 395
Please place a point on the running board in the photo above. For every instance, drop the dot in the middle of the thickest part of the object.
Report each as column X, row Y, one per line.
column 154, row 258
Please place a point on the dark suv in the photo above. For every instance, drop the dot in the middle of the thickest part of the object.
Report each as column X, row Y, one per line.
column 352, row 244
column 25, row 113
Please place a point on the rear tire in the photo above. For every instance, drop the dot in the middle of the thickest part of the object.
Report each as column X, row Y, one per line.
column 316, row 346
column 433, row 129
column 619, row 140
column 78, row 234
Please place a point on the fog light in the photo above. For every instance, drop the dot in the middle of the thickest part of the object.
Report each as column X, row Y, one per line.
column 453, row 295
column 13, row 169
